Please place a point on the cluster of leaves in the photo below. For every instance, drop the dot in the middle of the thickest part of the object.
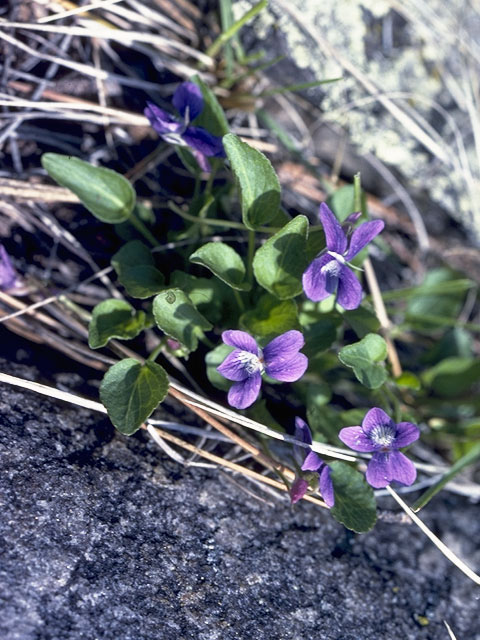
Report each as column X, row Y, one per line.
column 260, row 292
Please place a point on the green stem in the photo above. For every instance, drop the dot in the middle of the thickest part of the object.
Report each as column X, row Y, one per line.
column 217, row 223
column 141, row 228
column 203, row 338
column 239, row 300
column 250, row 254
column 156, row 352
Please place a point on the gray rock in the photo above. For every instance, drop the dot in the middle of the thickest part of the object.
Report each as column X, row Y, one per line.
column 421, row 57
column 103, row 537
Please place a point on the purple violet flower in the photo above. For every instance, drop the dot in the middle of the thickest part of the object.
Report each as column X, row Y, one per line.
column 311, row 462
column 329, row 272
column 381, row 435
column 188, row 101
column 279, row 360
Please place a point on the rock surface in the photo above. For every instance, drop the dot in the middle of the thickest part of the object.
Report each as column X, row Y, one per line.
column 405, row 97
column 103, row 537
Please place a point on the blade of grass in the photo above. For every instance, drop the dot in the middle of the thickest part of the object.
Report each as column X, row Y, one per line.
column 298, row 87
column 469, row 458
column 227, row 35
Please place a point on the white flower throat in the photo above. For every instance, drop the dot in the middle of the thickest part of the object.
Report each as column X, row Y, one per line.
column 383, row 435
column 250, row 362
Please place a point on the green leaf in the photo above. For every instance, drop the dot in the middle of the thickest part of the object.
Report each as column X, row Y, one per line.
column 176, row 316
column 209, row 295
column 135, row 268
column 354, row 499
column 114, row 319
column 212, row 117
column 131, row 391
column 257, row 181
column 132, row 254
column 408, row 380
column 143, row 281
column 224, row 262
column 105, row 193
column 213, row 359
column 363, row 357
column 279, row 264
column 319, row 336
column 270, row 317
column 452, row 376
column 342, row 202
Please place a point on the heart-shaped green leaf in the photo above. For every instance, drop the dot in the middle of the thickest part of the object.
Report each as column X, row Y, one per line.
column 354, row 500
column 257, row 182
column 364, row 358
column 176, row 316
column 135, row 268
column 105, row 193
column 270, row 317
column 224, row 262
column 279, row 264
column 131, row 391
column 114, row 319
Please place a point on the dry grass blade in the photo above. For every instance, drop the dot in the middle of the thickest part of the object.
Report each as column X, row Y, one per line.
column 448, row 553
column 102, row 4
column 125, row 37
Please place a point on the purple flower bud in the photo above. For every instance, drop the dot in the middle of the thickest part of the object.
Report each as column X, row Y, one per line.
column 8, row 275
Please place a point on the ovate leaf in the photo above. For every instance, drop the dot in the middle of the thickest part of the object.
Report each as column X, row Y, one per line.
column 279, row 264
column 364, row 358
column 453, row 376
column 135, row 268
column 176, row 316
column 270, row 317
column 354, row 500
column 114, row 319
column 224, row 262
column 105, row 193
column 131, row 391
column 257, row 182
column 213, row 359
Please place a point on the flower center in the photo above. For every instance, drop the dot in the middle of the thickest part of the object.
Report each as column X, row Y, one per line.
column 332, row 271
column 250, row 362
column 175, row 138
column 383, row 435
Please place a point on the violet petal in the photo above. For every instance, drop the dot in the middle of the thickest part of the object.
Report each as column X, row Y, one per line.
column 362, row 236
column 284, row 347
column 298, row 489
column 233, row 368
column 202, row 161
column 201, row 140
column 406, row 434
column 188, row 94
column 8, row 276
column 349, row 294
column 326, row 487
column 334, row 235
column 356, row 439
column 287, row 371
column 242, row 394
column 314, row 279
column 401, row 469
column 378, row 470
column 162, row 121
column 240, row 340
column 374, row 418
column 312, row 462
column 302, row 431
